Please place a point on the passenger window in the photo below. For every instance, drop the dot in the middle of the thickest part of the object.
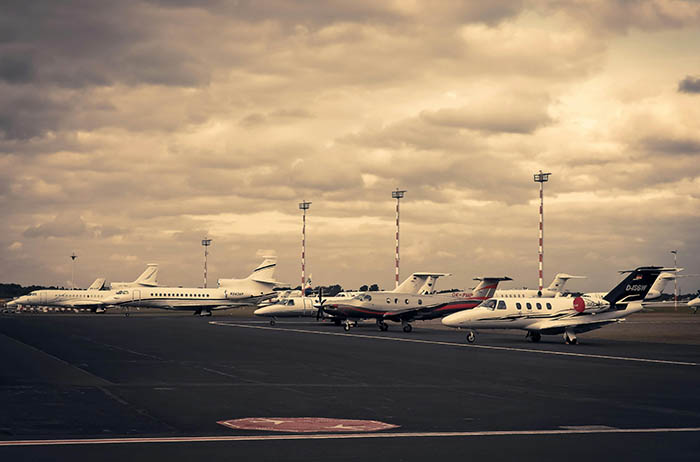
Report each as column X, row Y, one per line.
column 406, row 301
column 518, row 306
column 529, row 306
column 420, row 302
column 549, row 306
column 501, row 305
column 539, row 306
column 388, row 300
column 396, row 300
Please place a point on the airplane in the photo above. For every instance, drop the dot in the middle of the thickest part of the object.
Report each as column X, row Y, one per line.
column 257, row 287
column 93, row 298
column 555, row 289
column 564, row 315
column 406, row 307
column 296, row 306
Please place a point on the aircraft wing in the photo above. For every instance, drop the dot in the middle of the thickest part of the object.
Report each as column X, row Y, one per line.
column 557, row 326
column 398, row 315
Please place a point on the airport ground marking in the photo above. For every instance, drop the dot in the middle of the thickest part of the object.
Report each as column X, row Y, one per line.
column 342, row 436
column 463, row 345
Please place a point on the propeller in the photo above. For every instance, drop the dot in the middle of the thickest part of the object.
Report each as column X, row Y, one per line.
column 319, row 304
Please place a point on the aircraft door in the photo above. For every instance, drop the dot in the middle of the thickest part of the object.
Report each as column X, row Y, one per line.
column 43, row 299
column 136, row 295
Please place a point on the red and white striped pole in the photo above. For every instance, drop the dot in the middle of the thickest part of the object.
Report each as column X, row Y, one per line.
column 398, row 195
column 541, row 178
column 304, row 206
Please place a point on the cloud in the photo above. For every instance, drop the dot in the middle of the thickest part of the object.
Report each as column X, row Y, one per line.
column 689, row 84
column 63, row 225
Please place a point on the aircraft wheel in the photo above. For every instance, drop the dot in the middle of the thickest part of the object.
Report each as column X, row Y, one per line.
column 407, row 328
column 385, row 326
column 126, row 314
column 347, row 327
column 535, row 337
column 272, row 322
column 471, row 337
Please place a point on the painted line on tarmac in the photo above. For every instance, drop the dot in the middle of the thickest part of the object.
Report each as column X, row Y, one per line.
column 463, row 345
column 343, row 436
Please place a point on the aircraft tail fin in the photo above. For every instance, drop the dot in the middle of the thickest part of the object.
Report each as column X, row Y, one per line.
column 634, row 287
column 487, row 287
column 149, row 277
column 265, row 272
column 559, row 282
column 98, row 284
column 419, row 283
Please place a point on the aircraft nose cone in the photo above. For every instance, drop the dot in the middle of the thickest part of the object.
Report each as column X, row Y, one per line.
column 265, row 311
column 11, row 303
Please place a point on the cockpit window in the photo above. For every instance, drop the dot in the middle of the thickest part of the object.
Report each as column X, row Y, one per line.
column 367, row 298
column 501, row 305
column 490, row 304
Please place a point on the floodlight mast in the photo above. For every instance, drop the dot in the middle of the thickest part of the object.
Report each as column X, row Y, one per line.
column 206, row 242
column 73, row 256
column 541, row 178
column 675, row 280
column 303, row 206
column 398, row 195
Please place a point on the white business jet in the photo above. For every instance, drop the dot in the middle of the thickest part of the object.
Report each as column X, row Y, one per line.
column 562, row 315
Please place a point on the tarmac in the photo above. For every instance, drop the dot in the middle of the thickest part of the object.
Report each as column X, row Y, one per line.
column 156, row 385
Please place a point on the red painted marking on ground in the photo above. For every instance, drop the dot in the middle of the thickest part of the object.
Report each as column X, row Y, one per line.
column 306, row 424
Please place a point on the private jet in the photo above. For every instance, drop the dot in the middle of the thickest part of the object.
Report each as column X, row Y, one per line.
column 257, row 287
column 555, row 289
column 565, row 315
column 92, row 298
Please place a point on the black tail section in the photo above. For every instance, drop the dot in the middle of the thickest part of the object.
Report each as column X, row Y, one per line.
column 634, row 287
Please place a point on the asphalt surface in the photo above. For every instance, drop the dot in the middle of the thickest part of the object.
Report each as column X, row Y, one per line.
column 99, row 377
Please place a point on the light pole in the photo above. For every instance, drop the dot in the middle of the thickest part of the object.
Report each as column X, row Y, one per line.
column 541, row 178
column 303, row 206
column 206, row 242
column 675, row 280
column 73, row 256
column 398, row 195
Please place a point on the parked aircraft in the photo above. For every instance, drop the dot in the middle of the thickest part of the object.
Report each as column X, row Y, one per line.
column 230, row 293
column 93, row 298
column 296, row 306
column 565, row 315
column 404, row 307
column 555, row 289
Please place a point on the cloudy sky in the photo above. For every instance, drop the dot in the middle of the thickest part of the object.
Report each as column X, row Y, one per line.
column 129, row 130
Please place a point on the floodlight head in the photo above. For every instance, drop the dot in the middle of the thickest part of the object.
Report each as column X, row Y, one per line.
column 541, row 177
column 304, row 205
column 398, row 194
column 73, row 256
column 206, row 242
column 674, row 252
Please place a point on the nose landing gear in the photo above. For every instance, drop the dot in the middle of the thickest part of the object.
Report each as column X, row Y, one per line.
column 471, row 337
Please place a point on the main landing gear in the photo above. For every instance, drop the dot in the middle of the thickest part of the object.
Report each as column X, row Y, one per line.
column 471, row 337
column 533, row 336
column 202, row 313
column 407, row 327
column 570, row 337
column 348, row 325
column 382, row 325
column 272, row 322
